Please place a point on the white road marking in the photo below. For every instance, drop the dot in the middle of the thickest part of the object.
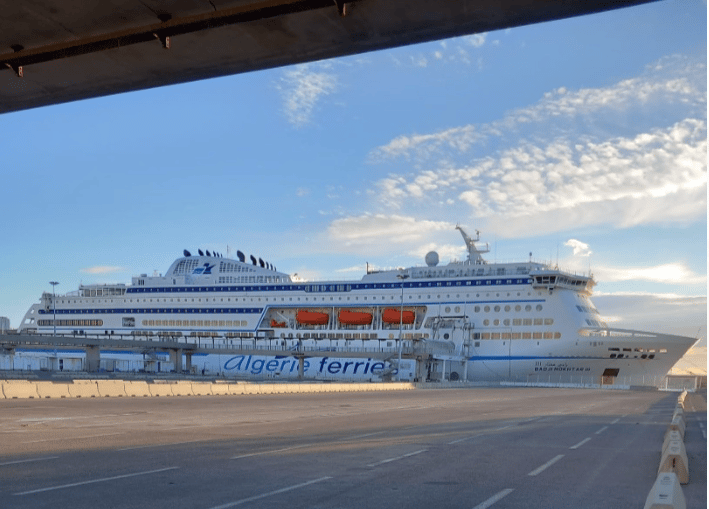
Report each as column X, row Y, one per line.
column 616, row 421
column 270, row 493
column 704, row 431
column 546, row 465
column 397, row 458
column 494, row 499
column 362, row 436
column 270, row 452
column 72, row 438
column 462, row 439
column 159, row 445
column 28, row 461
column 601, row 430
column 580, row 443
column 95, row 481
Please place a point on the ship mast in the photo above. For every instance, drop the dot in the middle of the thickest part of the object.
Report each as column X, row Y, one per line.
column 474, row 254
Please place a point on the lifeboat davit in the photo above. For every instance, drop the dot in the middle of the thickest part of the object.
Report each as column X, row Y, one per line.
column 274, row 323
column 395, row 316
column 311, row 317
column 348, row 317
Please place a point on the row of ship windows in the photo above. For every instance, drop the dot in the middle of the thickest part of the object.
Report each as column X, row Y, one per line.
column 528, row 307
column 520, row 322
column 71, row 323
column 328, row 288
column 194, row 323
column 517, row 335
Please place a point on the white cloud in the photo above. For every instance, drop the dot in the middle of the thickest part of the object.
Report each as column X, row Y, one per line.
column 383, row 231
column 671, row 273
column 102, row 269
column 571, row 160
column 301, row 88
column 580, row 248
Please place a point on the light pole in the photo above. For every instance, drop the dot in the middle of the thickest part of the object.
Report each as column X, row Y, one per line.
column 401, row 322
column 54, row 305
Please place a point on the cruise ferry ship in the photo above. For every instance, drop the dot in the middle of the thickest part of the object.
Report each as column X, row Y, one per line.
column 469, row 320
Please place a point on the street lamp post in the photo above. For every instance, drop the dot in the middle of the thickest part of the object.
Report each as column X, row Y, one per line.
column 54, row 306
column 401, row 323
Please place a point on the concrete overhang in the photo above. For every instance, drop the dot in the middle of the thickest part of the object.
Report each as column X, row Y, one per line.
column 55, row 51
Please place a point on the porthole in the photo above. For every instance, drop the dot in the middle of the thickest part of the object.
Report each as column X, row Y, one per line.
column 539, row 307
column 477, row 309
column 496, row 322
column 497, row 309
column 448, row 309
column 507, row 309
column 518, row 308
column 528, row 307
column 457, row 309
column 486, row 322
column 487, row 309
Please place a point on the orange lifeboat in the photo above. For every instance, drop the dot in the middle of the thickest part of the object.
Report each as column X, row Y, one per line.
column 348, row 317
column 274, row 323
column 306, row 317
column 391, row 315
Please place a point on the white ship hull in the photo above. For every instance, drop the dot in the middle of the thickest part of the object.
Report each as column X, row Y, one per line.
column 465, row 320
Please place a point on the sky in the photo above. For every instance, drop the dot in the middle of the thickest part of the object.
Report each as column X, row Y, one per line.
column 582, row 141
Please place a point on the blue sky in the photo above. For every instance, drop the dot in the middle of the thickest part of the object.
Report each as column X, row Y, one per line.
column 582, row 141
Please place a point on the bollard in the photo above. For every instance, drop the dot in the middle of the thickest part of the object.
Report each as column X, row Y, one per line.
column 666, row 493
column 674, row 459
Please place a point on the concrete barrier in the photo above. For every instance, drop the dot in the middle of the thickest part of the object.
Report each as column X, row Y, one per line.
column 137, row 389
column 236, row 389
column 111, row 388
column 250, row 388
column 670, row 435
column 18, row 389
column 674, row 459
column 666, row 493
column 159, row 389
column 84, row 389
column 219, row 389
column 678, row 425
column 53, row 390
column 202, row 388
column 181, row 388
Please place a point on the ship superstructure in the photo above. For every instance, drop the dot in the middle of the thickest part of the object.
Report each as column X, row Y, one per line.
column 482, row 320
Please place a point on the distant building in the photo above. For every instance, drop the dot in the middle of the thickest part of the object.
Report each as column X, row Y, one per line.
column 4, row 324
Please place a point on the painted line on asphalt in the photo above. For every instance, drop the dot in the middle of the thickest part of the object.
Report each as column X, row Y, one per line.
column 159, row 445
column 616, row 421
column 93, row 481
column 28, row 461
column 72, row 438
column 270, row 493
column 362, row 436
column 494, row 498
column 462, row 439
column 270, row 452
column 397, row 458
column 546, row 465
column 704, row 431
column 601, row 430
column 580, row 443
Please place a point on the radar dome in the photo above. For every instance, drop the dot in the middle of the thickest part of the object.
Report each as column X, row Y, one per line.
column 432, row 259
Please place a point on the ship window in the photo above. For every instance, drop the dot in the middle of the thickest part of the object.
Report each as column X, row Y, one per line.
column 486, row 322
column 497, row 309
column 487, row 309
column 527, row 307
column 496, row 322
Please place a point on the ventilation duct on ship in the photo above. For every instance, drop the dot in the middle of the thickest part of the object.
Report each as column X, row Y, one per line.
column 200, row 252
column 260, row 261
column 240, row 256
column 253, row 260
column 186, row 253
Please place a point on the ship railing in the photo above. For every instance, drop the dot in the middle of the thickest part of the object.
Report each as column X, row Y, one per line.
column 670, row 383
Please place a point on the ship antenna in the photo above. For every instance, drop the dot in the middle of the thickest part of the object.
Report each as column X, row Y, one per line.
column 474, row 254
